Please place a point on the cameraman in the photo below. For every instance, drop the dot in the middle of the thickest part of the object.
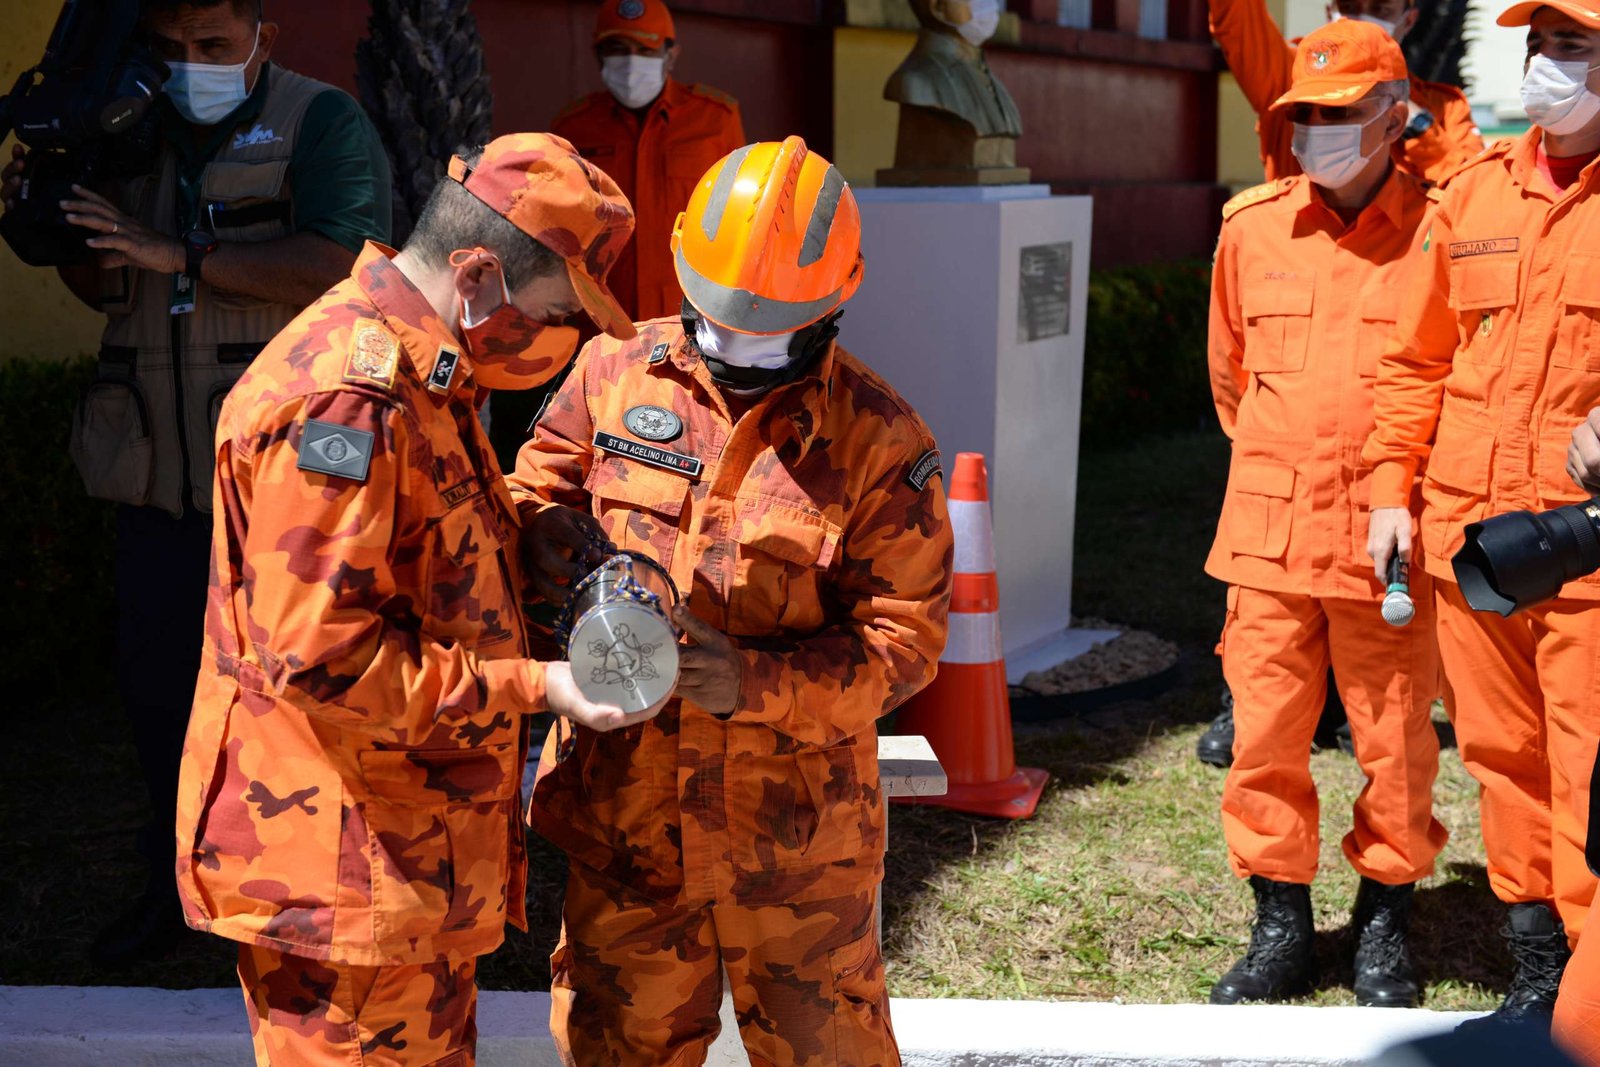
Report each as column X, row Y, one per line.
column 264, row 187
column 1495, row 354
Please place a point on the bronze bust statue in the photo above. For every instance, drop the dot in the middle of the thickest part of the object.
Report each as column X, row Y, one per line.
column 958, row 125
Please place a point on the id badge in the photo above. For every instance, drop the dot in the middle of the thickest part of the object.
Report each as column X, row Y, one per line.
column 182, row 295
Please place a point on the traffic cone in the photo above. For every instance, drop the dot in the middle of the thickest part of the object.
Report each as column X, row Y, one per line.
column 965, row 712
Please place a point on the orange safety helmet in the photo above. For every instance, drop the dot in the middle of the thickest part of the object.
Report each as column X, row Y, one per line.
column 771, row 242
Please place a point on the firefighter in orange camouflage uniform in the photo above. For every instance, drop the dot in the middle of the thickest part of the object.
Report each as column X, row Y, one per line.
column 350, row 785
column 796, row 500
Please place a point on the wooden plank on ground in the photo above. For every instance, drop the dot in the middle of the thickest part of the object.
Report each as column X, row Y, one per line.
column 907, row 767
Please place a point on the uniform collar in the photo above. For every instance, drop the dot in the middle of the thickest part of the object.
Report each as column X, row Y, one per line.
column 1522, row 160
column 1389, row 201
column 803, row 399
column 408, row 314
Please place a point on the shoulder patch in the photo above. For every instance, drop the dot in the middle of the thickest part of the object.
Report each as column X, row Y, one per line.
column 713, row 93
column 373, row 354
column 1258, row 194
column 925, row 470
column 340, row 451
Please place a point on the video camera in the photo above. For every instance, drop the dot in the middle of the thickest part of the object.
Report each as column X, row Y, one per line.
column 84, row 113
column 1516, row 560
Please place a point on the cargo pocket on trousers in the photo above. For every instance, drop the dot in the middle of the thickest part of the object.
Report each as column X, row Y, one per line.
column 1260, row 508
column 862, row 1034
column 111, row 443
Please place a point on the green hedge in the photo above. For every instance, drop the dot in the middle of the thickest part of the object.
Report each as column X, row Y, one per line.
column 58, row 621
column 1144, row 368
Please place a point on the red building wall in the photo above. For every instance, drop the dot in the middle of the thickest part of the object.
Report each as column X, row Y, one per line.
column 1131, row 122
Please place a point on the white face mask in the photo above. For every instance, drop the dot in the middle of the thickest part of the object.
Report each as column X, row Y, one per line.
column 984, row 20
column 634, row 80
column 742, row 349
column 1555, row 96
column 1383, row 24
column 206, row 93
column 1331, row 155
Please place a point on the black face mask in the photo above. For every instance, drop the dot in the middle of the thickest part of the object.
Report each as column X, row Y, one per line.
column 805, row 348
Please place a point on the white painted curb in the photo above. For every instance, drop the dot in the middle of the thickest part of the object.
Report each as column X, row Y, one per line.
column 69, row 1026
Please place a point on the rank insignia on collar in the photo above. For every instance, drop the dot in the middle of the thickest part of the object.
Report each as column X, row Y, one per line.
column 658, row 353
column 443, row 374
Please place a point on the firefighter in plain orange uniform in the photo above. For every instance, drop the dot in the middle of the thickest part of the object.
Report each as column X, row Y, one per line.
column 1303, row 299
column 1439, row 135
column 1496, row 356
column 654, row 136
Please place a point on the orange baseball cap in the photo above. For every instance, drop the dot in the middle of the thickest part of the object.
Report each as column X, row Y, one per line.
column 646, row 21
column 1522, row 14
column 549, row 192
column 1337, row 64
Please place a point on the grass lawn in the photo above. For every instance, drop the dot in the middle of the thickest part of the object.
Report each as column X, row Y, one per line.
column 1117, row 888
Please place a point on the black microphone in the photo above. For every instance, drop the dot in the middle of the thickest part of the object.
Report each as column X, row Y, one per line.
column 1398, row 608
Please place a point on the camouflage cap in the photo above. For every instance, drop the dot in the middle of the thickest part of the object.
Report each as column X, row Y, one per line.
column 540, row 183
column 646, row 21
column 1338, row 64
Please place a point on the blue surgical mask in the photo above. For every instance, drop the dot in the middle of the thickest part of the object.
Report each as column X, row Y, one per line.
column 207, row 93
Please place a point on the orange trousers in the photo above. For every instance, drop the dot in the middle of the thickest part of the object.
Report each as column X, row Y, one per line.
column 1527, row 717
column 1276, row 650
column 1577, row 1022
column 312, row 1013
column 638, row 983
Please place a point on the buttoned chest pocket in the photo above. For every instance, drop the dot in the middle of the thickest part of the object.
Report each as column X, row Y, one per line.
column 1578, row 334
column 785, row 551
column 1482, row 293
column 470, row 599
column 1277, row 325
column 640, row 507
column 1379, row 312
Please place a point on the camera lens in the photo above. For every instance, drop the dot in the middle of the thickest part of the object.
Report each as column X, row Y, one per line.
column 1516, row 560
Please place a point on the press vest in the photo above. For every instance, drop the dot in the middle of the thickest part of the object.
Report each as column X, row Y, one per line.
column 144, row 429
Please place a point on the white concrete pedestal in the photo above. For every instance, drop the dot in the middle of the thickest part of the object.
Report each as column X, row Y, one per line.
column 973, row 307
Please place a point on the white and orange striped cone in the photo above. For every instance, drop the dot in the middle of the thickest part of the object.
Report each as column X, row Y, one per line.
column 965, row 712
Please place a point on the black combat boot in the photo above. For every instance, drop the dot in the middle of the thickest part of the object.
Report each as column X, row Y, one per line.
column 1384, row 975
column 1279, row 962
column 1538, row 940
column 1215, row 746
